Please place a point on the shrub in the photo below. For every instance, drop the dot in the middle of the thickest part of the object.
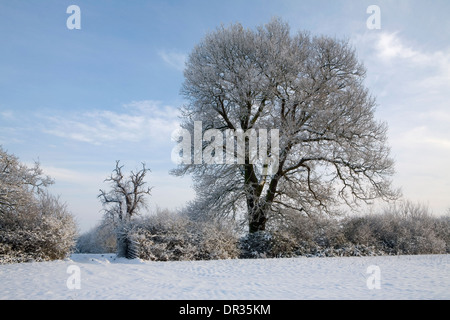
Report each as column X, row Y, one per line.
column 101, row 238
column 217, row 240
column 266, row 244
column 169, row 236
column 34, row 225
column 442, row 230
column 404, row 228
column 47, row 233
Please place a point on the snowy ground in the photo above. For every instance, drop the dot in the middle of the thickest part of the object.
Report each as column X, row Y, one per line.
column 105, row 277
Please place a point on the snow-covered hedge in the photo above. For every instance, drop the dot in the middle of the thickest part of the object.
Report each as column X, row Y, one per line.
column 47, row 233
column 266, row 244
column 34, row 225
column 404, row 229
column 169, row 237
column 163, row 236
column 101, row 238
column 166, row 236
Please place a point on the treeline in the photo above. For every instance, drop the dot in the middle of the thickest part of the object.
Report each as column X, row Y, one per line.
column 402, row 229
column 36, row 226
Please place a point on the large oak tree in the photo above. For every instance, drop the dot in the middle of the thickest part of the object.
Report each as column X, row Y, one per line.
column 310, row 88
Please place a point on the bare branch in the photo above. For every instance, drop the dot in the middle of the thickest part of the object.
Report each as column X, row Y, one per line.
column 127, row 195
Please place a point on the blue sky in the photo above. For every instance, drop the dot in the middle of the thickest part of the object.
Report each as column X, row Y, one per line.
column 77, row 100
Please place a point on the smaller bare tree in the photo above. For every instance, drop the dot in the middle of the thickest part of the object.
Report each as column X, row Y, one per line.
column 125, row 199
column 127, row 195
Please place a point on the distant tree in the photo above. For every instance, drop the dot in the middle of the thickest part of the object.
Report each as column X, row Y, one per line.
column 125, row 200
column 310, row 88
column 127, row 195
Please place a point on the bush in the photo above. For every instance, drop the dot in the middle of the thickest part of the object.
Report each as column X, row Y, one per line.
column 168, row 236
column 442, row 230
column 266, row 244
column 401, row 229
column 47, row 233
column 100, row 239
column 256, row 245
column 217, row 240
column 404, row 228
column 34, row 225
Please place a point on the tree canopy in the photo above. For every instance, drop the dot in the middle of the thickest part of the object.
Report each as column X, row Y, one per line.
column 310, row 88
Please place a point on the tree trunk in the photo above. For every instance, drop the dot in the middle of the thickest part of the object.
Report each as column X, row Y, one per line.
column 257, row 220
column 258, row 206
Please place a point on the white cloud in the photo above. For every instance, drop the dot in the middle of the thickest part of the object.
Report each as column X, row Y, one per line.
column 404, row 73
column 140, row 120
column 64, row 175
column 437, row 115
column 432, row 68
column 412, row 86
column 389, row 46
column 174, row 59
column 7, row 115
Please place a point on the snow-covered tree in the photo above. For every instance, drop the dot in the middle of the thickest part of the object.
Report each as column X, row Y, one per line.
column 310, row 88
column 34, row 225
column 18, row 184
column 127, row 195
column 125, row 200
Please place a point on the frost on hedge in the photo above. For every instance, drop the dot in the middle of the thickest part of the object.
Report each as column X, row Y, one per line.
column 34, row 225
column 173, row 237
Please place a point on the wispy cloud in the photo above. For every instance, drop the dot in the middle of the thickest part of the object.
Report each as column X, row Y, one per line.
column 389, row 46
column 432, row 67
column 139, row 121
column 64, row 175
column 176, row 60
column 405, row 69
column 412, row 84
column 6, row 115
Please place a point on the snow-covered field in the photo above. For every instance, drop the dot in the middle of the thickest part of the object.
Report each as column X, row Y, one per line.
column 87, row 276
